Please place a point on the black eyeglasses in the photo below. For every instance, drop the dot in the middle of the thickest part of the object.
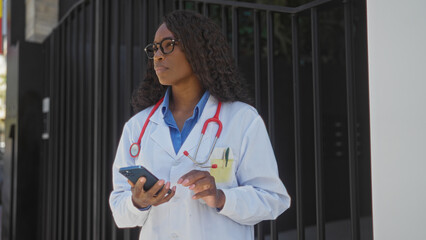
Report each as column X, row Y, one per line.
column 167, row 45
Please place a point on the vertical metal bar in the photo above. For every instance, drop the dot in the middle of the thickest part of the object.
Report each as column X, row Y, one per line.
column 260, row 234
column 126, row 84
column 74, row 126
column 116, row 69
column 52, row 131
column 115, row 93
column 224, row 21
column 90, row 51
column 129, row 57
column 97, row 111
column 44, row 160
column 46, row 145
column 55, row 116
column 297, row 132
column 82, row 60
column 257, row 76
column 42, row 212
column 205, row 9
column 197, row 8
column 105, row 109
column 317, row 126
column 155, row 21
column 102, row 80
column 99, row 58
column 271, row 109
column 68, row 123
column 60, row 132
column 126, row 234
column 351, row 115
column 143, row 36
column 173, row 5
column 61, row 136
column 270, row 62
column 45, row 175
column 14, row 183
column 235, row 34
column 256, row 35
column 46, row 152
column 160, row 7
column 180, row 4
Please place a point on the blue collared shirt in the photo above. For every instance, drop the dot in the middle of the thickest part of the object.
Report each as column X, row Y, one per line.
column 178, row 138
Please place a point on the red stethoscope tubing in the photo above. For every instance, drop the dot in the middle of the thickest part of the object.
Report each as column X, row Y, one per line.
column 135, row 148
column 138, row 144
column 215, row 119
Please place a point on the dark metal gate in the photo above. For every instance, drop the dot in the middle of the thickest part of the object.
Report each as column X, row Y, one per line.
column 300, row 62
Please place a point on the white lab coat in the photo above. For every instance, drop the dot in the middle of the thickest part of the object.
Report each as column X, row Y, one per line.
column 253, row 193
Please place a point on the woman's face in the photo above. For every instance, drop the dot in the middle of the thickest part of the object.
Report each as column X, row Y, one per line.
column 172, row 69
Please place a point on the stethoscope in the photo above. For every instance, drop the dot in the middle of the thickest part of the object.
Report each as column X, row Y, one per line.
column 135, row 147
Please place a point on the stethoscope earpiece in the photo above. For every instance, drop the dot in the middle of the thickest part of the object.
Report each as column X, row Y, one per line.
column 197, row 163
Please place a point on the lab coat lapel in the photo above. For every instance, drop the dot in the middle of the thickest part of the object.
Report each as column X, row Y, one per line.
column 191, row 141
column 161, row 134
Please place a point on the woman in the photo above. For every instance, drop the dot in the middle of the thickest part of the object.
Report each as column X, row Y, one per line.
column 219, row 189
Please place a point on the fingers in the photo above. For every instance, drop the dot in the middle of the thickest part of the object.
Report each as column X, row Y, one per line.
column 139, row 183
column 155, row 196
column 192, row 177
column 152, row 192
column 198, row 181
column 162, row 196
column 204, row 194
column 137, row 189
column 166, row 197
column 203, row 184
column 215, row 199
column 162, row 191
column 204, row 187
column 131, row 184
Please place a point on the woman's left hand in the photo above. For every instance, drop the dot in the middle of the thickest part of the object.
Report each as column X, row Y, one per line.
column 204, row 187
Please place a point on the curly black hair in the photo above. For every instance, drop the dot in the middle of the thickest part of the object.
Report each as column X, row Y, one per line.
column 209, row 56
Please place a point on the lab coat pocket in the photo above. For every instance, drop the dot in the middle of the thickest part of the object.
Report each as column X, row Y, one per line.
column 224, row 160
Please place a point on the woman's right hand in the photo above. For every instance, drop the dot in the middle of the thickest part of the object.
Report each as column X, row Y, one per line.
column 143, row 199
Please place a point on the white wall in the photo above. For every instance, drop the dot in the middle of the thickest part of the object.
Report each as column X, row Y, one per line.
column 397, row 75
column 41, row 17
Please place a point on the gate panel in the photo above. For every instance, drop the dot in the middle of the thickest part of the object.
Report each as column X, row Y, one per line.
column 300, row 63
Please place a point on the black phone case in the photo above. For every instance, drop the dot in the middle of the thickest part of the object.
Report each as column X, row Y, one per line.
column 135, row 172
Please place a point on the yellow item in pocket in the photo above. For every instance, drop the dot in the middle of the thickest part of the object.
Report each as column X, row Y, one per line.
column 224, row 159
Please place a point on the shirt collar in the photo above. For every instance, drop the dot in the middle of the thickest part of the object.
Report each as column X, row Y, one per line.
column 197, row 110
column 165, row 107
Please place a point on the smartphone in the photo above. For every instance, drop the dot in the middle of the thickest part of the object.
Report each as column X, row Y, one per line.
column 133, row 173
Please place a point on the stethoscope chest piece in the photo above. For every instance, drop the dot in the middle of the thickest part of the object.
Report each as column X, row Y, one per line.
column 134, row 150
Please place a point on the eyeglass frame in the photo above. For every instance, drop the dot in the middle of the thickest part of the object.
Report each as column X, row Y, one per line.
column 174, row 42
